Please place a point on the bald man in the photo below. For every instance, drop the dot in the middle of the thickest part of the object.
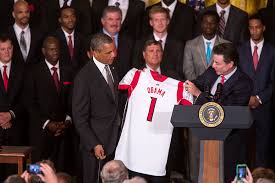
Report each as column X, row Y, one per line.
column 27, row 41
column 47, row 87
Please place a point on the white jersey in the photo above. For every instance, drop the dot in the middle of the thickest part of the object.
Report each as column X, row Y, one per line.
column 145, row 139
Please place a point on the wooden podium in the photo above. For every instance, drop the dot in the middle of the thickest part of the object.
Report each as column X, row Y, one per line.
column 211, row 139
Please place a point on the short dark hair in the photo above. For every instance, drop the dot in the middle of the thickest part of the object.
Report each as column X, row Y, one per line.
column 64, row 176
column 159, row 9
column 228, row 51
column 264, row 173
column 150, row 42
column 111, row 9
column 5, row 38
column 64, row 8
column 98, row 40
column 210, row 13
column 14, row 179
column 49, row 38
column 256, row 16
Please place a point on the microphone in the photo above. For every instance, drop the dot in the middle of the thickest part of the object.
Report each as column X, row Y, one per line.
column 218, row 93
column 207, row 90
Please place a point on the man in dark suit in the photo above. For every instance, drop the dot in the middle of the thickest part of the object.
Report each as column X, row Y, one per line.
column 51, row 10
column 95, row 107
column 111, row 23
column 27, row 41
column 12, row 114
column 72, row 44
column 46, row 94
column 182, row 20
column 132, row 13
column 257, row 60
column 236, row 90
column 171, row 64
column 233, row 22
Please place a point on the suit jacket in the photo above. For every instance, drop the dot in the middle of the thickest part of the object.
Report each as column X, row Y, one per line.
column 79, row 56
column 236, row 28
column 236, row 90
column 171, row 63
column 132, row 22
column 95, row 109
column 12, row 100
column 182, row 23
column 43, row 101
column 194, row 62
column 51, row 9
column 35, row 47
column 264, row 74
column 268, row 14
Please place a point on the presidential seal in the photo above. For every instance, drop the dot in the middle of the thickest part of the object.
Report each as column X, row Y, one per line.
column 211, row 114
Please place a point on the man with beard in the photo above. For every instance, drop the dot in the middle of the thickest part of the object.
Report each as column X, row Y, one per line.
column 27, row 41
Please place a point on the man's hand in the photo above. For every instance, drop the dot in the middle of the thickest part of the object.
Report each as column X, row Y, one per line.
column 54, row 127
column 5, row 120
column 248, row 179
column 253, row 102
column 99, row 152
column 191, row 88
column 48, row 175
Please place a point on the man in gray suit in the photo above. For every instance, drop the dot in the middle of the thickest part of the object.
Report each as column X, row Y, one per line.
column 197, row 58
column 197, row 52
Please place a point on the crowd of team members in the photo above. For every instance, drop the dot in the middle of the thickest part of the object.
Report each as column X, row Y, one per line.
column 44, row 44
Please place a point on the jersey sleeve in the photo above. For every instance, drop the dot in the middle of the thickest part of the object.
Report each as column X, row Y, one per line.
column 183, row 96
column 129, row 81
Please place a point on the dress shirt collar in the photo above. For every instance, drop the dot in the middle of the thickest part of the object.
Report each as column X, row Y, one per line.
column 61, row 3
column 259, row 45
column 227, row 76
column 50, row 65
column 171, row 7
column 163, row 39
column 115, row 36
column 227, row 10
column 212, row 41
column 2, row 68
column 157, row 70
column 18, row 29
column 67, row 34
column 99, row 65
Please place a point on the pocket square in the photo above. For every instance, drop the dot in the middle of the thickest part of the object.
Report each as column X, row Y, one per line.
column 67, row 83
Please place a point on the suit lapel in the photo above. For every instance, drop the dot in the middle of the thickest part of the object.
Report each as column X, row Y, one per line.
column 228, row 84
column 262, row 58
column 249, row 60
column 47, row 77
column 2, row 83
column 16, row 44
column 230, row 21
column 201, row 51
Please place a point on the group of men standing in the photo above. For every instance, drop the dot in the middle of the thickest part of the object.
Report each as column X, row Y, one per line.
column 52, row 85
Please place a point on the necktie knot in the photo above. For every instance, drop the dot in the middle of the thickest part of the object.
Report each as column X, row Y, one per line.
column 222, row 12
column 117, row 4
column 5, row 67
column 256, row 47
column 54, row 69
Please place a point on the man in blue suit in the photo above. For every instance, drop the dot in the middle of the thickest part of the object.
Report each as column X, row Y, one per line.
column 257, row 59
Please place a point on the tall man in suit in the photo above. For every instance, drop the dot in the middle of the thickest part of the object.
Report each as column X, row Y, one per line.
column 233, row 22
column 182, row 20
column 111, row 23
column 236, row 90
column 72, row 44
column 132, row 13
column 198, row 51
column 257, row 60
column 95, row 107
column 172, row 49
column 12, row 113
column 27, row 41
column 46, row 94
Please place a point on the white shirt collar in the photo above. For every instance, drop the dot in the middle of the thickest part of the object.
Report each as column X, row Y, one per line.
column 61, row 3
column 50, row 65
column 259, row 45
column 18, row 29
column 67, row 34
column 171, row 7
column 227, row 10
column 157, row 70
column 99, row 65
column 163, row 39
column 7, row 69
column 227, row 76
column 212, row 41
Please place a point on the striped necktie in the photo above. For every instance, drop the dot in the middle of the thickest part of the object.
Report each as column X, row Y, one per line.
column 222, row 23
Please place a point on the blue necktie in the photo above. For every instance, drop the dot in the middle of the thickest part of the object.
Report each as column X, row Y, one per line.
column 208, row 52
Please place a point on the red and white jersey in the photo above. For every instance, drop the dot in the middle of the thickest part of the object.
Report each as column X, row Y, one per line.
column 145, row 139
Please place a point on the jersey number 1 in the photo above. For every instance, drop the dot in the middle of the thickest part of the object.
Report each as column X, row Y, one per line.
column 151, row 109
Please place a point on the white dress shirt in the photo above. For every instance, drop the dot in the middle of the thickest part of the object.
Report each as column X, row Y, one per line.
column 101, row 68
column 67, row 36
column 163, row 39
column 259, row 45
column 212, row 42
column 27, row 35
column 7, row 69
column 123, row 5
column 61, row 3
column 227, row 10
column 171, row 7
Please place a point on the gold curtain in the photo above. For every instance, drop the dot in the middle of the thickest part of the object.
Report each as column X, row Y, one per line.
column 250, row 6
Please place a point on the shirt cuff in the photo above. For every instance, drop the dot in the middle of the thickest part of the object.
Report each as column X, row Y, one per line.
column 259, row 99
column 45, row 124
column 12, row 114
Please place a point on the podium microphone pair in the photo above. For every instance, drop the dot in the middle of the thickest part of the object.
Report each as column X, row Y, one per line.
column 217, row 95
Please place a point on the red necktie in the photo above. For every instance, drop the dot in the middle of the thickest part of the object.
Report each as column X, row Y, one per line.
column 222, row 79
column 55, row 79
column 255, row 57
column 70, row 46
column 5, row 78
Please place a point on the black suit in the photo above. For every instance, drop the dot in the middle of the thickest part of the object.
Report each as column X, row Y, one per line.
column 45, row 103
column 12, row 100
column 182, row 23
column 236, row 91
column 133, row 20
column 172, row 60
column 95, row 113
column 262, row 78
column 51, row 10
column 236, row 28
column 34, row 53
column 268, row 14
column 79, row 57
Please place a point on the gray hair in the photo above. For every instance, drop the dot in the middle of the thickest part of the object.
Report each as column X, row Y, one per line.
column 98, row 40
column 136, row 180
column 114, row 172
